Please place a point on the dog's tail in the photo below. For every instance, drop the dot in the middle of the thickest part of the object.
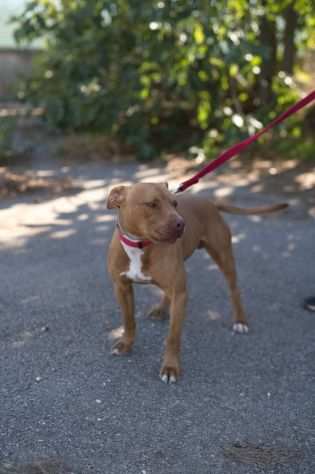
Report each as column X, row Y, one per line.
column 251, row 210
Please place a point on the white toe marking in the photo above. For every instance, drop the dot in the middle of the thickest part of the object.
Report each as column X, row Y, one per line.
column 240, row 328
column 164, row 378
column 115, row 351
column 172, row 379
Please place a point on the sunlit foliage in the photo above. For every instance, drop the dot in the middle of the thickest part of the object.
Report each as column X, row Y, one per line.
column 166, row 74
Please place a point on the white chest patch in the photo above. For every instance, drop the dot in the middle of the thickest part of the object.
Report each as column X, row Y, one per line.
column 135, row 272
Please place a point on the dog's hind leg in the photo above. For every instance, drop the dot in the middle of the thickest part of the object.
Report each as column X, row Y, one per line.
column 161, row 310
column 219, row 247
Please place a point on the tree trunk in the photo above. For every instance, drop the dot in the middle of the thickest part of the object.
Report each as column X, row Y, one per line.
column 268, row 39
column 289, row 51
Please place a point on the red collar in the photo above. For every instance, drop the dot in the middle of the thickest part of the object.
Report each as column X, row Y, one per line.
column 132, row 242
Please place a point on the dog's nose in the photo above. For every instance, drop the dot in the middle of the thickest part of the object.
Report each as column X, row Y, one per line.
column 180, row 225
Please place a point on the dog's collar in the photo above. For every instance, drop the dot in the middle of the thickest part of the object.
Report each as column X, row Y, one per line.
column 131, row 240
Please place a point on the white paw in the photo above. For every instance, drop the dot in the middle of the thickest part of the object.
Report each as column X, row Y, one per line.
column 240, row 328
column 172, row 379
column 168, row 379
column 115, row 351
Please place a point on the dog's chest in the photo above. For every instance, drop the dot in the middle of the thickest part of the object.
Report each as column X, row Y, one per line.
column 135, row 270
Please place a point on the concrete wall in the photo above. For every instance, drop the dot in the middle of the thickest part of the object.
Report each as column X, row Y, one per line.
column 14, row 64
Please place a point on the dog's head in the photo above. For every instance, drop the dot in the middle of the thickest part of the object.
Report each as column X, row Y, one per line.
column 147, row 210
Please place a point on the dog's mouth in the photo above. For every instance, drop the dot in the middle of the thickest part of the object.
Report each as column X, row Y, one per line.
column 169, row 238
column 164, row 241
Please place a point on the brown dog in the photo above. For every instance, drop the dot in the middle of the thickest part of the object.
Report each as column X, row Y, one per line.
column 156, row 231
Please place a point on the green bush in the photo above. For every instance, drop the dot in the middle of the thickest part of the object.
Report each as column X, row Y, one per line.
column 166, row 74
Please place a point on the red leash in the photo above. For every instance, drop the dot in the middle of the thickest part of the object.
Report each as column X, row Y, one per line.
column 236, row 149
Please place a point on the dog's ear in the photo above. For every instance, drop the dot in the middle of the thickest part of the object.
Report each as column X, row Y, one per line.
column 116, row 197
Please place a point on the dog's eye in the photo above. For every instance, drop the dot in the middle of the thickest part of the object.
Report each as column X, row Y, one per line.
column 152, row 205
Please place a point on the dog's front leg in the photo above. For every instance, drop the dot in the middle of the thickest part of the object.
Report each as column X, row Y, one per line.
column 124, row 295
column 170, row 369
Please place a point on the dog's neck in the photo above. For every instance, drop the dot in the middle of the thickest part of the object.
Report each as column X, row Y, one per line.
column 134, row 248
column 131, row 240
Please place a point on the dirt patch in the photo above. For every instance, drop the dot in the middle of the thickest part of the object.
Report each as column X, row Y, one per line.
column 177, row 166
column 262, row 455
column 94, row 147
column 12, row 183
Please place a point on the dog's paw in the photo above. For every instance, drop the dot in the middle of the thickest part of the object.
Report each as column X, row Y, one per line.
column 168, row 377
column 159, row 313
column 121, row 347
column 240, row 328
column 170, row 373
